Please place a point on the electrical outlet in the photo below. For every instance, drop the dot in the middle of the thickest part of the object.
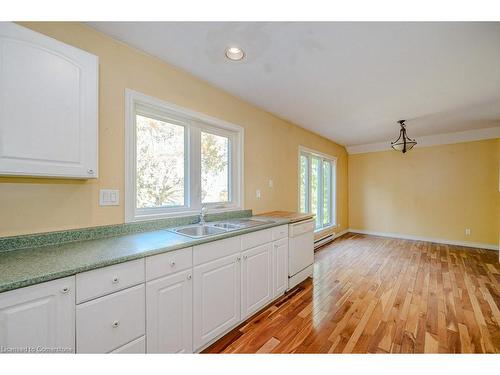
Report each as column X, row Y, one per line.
column 257, row 193
column 109, row 197
column 271, row 183
column 467, row 231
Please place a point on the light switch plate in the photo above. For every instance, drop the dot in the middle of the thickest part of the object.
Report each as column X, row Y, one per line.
column 109, row 197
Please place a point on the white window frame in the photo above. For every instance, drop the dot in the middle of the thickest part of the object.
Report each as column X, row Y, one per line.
column 333, row 199
column 194, row 122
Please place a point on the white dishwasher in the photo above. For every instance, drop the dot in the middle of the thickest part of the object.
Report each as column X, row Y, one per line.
column 300, row 251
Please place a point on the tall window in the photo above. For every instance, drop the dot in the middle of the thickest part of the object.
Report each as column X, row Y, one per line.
column 179, row 160
column 317, row 187
column 215, row 164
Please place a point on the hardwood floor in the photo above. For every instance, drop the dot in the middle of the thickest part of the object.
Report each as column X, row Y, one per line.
column 381, row 295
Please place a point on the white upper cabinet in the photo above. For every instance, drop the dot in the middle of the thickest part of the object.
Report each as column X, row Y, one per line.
column 48, row 106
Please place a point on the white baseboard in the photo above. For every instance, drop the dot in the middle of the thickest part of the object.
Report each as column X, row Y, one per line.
column 427, row 239
column 327, row 238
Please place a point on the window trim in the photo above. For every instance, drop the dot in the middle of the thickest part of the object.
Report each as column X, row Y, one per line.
column 193, row 122
column 333, row 159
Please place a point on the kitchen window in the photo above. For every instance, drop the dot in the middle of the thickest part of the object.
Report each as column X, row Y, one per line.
column 178, row 160
column 317, row 193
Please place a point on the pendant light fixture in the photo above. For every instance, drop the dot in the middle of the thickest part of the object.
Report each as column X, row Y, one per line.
column 403, row 143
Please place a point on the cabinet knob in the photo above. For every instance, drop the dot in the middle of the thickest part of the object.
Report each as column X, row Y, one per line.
column 238, row 259
column 90, row 171
column 172, row 264
column 116, row 323
column 65, row 290
column 189, row 276
column 116, row 280
column 245, row 257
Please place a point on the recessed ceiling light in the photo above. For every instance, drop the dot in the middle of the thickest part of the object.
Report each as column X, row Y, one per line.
column 235, row 53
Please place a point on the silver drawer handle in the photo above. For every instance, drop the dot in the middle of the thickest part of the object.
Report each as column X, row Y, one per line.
column 238, row 259
column 189, row 277
column 115, row 324
column 172, row 264
column 245, row 257
column 116, row 280
column 65, row 290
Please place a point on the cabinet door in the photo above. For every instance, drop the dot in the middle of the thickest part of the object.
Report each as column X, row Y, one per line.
column 256, row 271
column 48, row 101
column 40, row 316
column 216, row 298
column 169, row 314
column 280, row 267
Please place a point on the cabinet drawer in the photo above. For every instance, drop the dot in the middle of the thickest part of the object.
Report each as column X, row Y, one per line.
column 302, row 227
column 256, row 238
column 109, row 322
column 280, row 232
column 215, row 250
column 167, row 263
column 97, row 283
column 135, row 347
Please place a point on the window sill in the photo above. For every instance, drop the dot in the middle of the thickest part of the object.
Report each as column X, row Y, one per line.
column 171, row 215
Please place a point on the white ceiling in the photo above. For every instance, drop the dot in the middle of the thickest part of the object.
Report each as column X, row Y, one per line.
column 349, row 82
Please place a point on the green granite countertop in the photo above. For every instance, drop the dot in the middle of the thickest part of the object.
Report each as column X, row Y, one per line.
column 23, row 267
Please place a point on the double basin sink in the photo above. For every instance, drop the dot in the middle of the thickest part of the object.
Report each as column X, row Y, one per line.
column 219, row 227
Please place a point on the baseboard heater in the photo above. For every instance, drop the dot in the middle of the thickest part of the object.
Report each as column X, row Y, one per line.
column 324, row 240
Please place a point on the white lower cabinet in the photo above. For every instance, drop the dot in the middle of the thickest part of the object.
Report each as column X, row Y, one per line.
column 280, row 267
column 169, row 314
column 39, row 317
column 176, row 302
column 217, row 294
column 107, row 323
column 256, row 279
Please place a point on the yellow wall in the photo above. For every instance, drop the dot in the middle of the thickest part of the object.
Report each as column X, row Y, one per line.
column 432, row 192
column 271, row 144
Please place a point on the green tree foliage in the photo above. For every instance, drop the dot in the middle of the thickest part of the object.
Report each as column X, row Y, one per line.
column 160, row 163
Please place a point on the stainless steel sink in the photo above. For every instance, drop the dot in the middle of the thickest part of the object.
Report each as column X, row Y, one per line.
column 215, row 228
column 198, row 231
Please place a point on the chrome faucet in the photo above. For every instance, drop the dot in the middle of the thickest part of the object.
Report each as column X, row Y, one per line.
column 203, row 213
